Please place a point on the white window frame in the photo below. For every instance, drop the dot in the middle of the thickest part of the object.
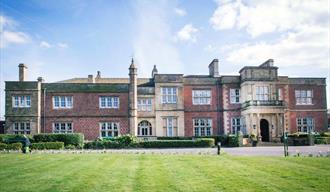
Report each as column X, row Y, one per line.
column 305, row 124
column 262, row 93
column 201, row 97
column 62, row 102
column 169, row 95
column 145, row 104
column 21, row 101
column 110, row 102
column 62, row 127
column 22, row 127
column 279, row 94
column 304, row 97
column 110, row 129
column 170, row 126
column 236, row 125
column 202, row 127
column 234, row 96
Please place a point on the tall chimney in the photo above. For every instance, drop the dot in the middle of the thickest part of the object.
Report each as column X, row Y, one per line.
column 154, row 71
column 132, row 98
column 90, row 79
column 22, row 72
column 213, row 68
column 98, row 74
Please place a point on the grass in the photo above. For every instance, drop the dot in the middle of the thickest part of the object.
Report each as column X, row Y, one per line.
column 141, row 172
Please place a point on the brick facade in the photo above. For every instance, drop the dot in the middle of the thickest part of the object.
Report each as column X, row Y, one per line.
column 280, row 111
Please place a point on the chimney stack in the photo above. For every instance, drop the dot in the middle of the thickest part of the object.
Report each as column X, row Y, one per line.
column 22, row 72
column 98, row 76
column 90, row 79
column 268, row 63
column 213, row 68
column 154, row 71
column 41, row 80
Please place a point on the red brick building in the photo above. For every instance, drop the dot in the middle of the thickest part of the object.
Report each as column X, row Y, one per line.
column 258, row 101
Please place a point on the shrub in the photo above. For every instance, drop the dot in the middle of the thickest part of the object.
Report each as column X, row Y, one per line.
column 322, row 140
column 76, row 139
column 103, row 145
column 14, row 146
column 47, row 145
column 11, row 138
column 3, row 146
column 70, row 147
column 233, row 141
column 203, row 142
column 301, row 139
column 325, row 134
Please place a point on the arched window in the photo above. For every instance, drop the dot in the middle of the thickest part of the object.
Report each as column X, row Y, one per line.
column 144, row 128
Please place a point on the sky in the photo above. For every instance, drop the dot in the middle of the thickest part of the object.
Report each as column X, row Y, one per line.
column 62, row 39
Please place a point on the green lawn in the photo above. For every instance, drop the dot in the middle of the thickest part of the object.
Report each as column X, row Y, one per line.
column 124, row 172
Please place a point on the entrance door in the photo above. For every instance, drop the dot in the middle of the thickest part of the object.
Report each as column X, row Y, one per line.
column 264, row 130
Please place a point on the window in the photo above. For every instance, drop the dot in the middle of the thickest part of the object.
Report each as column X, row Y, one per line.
column 22, row 101
column 109, row 102
column 304, row 97
column 170, row 126
column 279, row 95
column 22, row 128
column 234, row 95
column 169, row 94
column 236, row 125
column 201, row 97
column 144, row 128
column 262, row 93
column 305, row 124
column 62, row 102
column 62, row 127
column 109, row 129
column 144, row 104
column 202, row 127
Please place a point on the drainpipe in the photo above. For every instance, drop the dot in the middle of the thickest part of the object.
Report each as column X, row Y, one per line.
column 44, row 112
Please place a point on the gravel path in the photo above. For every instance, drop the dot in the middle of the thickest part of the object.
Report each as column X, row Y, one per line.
column 317, row 150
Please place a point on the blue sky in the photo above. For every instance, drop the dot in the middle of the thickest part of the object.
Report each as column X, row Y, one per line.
column 73, row 38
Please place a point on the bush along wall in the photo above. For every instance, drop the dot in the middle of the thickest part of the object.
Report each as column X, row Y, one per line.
column 12, row 146
column 300, row 139
column 225, row 140
column 76, row 139
column 47, row 145
column 203, row 142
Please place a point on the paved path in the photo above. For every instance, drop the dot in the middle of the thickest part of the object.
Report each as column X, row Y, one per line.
column 279, row 151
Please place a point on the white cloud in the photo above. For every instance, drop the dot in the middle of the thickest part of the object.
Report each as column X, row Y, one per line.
column 45, row 44
column 8, row 33
column 187, row 33
column 260, row 17
column 153, row 41
column 180, row 12
column 309, row 46
column 62, row 45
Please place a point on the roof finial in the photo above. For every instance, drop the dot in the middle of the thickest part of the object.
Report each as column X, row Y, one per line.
column 132, row 63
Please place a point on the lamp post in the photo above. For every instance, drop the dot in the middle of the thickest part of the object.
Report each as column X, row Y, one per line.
column 219, row 147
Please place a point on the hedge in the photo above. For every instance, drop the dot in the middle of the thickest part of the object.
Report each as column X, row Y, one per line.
column 12, row 146
column 11, row 138
column 47, row 145
column 3, row 146
column 225, row 140
column 204, row 142
column 103, row 145
column 322, row 140
column 76, row 139
column 325, row 134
